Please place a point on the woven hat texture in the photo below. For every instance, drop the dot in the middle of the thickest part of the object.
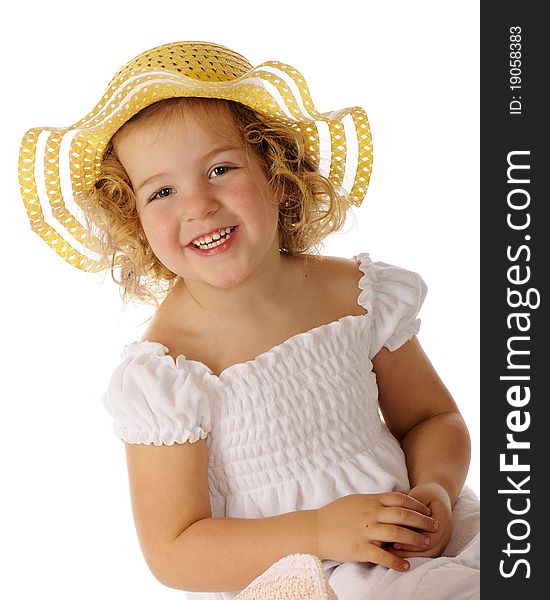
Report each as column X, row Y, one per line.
column 58, row 166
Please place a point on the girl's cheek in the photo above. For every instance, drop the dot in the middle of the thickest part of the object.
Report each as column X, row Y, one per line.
column 161, row 225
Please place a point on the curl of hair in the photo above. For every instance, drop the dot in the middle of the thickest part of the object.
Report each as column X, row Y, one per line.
column 310, row 207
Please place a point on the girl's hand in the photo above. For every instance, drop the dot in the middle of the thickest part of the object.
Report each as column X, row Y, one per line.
column 435, row 497
column 356, row 528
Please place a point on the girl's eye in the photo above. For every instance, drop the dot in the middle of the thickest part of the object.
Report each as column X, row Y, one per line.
column 163, row 193
column 221, row 170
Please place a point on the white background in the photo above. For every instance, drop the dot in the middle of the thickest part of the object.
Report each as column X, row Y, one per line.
column 67, row 527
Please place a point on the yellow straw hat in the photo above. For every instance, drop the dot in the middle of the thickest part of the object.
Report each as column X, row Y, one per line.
column 58, row 166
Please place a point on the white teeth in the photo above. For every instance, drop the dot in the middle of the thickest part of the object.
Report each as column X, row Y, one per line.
column 215, row 239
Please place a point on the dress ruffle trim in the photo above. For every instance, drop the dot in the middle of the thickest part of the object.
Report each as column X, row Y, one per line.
column 393, row 297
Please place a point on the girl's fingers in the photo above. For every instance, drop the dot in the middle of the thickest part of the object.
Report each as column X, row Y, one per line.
column 401, row 535
column 405, row 501
column 379, row 556
column 407, row 548
column 410, row 518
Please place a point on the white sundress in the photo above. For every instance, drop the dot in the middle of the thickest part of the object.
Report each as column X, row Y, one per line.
column 299, row 427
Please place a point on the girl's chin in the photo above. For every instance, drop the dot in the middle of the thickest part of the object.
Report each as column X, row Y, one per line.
column 227, row 281
column 226, row 278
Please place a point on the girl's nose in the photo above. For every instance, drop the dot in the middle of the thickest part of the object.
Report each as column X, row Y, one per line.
column 198, row 203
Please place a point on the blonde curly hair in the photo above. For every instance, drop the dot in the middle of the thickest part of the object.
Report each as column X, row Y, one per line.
column 310, row 209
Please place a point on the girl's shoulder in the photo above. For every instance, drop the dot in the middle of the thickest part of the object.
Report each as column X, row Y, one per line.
column 163, row 327
column 339, row 281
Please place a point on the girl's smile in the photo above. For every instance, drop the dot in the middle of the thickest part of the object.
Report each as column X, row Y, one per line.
column 204, row 201
column 214, row 242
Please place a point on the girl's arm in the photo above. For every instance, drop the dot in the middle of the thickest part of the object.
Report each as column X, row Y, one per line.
column 422, row 415
column 186, row 548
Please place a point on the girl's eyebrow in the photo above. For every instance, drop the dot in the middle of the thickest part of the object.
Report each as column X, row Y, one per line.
column 149, row 180
column 206, row 156
column 220, row 149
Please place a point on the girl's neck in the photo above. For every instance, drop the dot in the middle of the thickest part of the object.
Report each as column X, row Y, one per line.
column 264, row 293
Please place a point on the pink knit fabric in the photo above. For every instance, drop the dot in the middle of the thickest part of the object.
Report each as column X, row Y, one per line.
column 295, row 577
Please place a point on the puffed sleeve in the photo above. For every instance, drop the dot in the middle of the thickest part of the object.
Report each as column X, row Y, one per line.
column 156, row 400
column 393, row 297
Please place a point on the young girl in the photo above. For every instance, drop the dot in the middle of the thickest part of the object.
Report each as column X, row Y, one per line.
column 279, row 402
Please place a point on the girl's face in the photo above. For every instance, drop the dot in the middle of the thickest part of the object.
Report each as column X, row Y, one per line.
column 204, row 202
